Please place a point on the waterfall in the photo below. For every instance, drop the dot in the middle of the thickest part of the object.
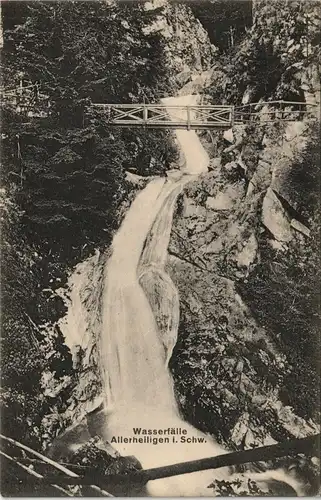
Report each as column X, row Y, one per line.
column 134, row 352
column 196, row 158
column 131, row 352
column 138, row 330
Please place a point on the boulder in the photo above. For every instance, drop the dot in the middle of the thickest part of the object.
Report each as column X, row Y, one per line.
column 137, row 180
column 196, row 83
column 298, row 226
column 192, row 209
column 228, row 135
column 230, row 166
column 215, row 163
column 275, row 218
column 183, row 77
column 174, row 174
column 247, row 96
column 261, row 178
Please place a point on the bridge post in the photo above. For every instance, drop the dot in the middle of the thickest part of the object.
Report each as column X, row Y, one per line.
column 108, row 110
column 281, row 110
column 145, row 114
column 188, row 118
column 232, row 115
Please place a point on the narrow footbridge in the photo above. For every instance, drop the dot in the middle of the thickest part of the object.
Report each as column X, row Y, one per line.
column 22, row 464
column 159, row 116
column 30, row 102
column 200, row 116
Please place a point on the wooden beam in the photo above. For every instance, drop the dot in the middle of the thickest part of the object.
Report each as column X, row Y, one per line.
column 33, row 473
column 145, row 114
column 68, row 473
column 309, row 445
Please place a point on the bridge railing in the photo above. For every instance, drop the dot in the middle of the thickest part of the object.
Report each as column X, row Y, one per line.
column 31, row 102
column 26, row 100
column 157, row 115
column 273, row 111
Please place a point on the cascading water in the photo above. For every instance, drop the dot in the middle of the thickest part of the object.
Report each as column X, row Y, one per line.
column 140, row 316
column 156, row 283
column 132, row 354
column 139, row 331
column 139, row 389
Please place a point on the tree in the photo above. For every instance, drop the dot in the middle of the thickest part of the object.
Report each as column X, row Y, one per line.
column 225, row 22
column 71, row 164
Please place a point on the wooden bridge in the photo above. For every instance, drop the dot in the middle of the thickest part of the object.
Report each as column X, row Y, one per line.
column 201, row 116
column 30, row 102
column 21, row 463
column 159, row 116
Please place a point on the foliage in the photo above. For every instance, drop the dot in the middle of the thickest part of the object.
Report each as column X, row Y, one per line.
column 238, row 488
column 24, row 344
column 78, row 50
column 64, row 173
column 21, row 415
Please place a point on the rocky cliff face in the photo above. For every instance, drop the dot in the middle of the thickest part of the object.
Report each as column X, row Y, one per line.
column 242, row 246
column 230, row 366
column 188, row 49
column 292, row 30
column 278, row 58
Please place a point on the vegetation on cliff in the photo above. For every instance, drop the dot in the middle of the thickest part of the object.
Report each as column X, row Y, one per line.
column 283, row 289
column 225, row 22
column 64, row 174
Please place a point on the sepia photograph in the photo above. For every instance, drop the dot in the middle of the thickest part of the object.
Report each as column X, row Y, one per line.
column 160, row 248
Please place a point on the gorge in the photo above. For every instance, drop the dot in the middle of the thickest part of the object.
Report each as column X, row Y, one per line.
column 157, row 279
column 135, row 348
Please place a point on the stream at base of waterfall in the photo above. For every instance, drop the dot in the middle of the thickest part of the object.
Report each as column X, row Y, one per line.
column 140, row 319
